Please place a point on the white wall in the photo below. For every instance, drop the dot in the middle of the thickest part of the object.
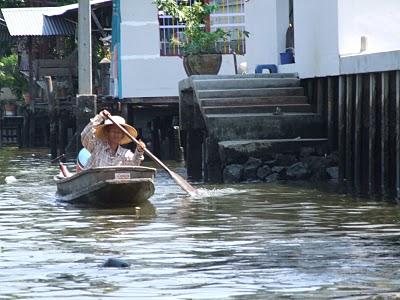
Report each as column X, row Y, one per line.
column 282, row 24
column 378, row 20
column 316, row 37
column 324, row 30
column 261, row 22
column 144, row 72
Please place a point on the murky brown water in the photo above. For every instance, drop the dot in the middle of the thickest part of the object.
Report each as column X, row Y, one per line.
column 258, row 241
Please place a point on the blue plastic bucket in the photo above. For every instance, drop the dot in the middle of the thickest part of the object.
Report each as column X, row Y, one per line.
column 287, row 58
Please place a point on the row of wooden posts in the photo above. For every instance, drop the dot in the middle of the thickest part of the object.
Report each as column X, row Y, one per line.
column 363, row 126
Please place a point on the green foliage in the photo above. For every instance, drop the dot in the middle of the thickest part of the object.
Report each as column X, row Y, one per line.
column 11, row 77
column 197, row 39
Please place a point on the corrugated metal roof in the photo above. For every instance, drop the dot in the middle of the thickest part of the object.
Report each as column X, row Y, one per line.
column 33, row 21
column 40, row 21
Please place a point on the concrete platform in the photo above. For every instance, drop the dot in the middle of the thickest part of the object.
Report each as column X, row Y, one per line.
column 256, row 92
column 236, row 101
column 227, row 127
column 263, row 108
column 245, row 83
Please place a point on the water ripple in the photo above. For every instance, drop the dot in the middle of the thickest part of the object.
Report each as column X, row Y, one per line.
column 255, row 241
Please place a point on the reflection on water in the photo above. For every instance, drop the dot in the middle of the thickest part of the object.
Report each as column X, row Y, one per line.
column 261, row 241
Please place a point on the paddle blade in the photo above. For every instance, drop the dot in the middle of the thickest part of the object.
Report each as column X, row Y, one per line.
column 183, row 183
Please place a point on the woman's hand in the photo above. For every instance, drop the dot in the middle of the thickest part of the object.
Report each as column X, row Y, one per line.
column 104, row 114
column 140, row 147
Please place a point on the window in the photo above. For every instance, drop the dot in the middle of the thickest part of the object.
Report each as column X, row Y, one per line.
column 229, row 16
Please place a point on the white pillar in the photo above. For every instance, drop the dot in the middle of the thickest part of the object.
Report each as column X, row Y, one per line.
column 84, row 48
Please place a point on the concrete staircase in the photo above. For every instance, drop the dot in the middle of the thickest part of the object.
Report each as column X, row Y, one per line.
column 263, row 106
column 265, row 111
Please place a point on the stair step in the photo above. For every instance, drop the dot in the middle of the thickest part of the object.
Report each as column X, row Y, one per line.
column 263, row 115
column 260, row 92
column 283, row 141
column 266, row 108
column 238, row 101
column 245, row 83
column 264, row 75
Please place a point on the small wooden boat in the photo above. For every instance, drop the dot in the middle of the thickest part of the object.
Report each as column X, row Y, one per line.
column 108, row 187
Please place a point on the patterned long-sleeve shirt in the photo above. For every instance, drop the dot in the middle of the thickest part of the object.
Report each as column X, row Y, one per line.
column 101, row 153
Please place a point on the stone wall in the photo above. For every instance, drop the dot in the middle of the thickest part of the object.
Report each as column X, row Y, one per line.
column 305, row 163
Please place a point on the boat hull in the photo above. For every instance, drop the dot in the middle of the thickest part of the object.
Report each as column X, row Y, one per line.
column 108, row 187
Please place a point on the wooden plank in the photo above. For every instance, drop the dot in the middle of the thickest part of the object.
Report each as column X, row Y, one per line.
column 398, row 135
column 349, row 173
column 372, row 135
column 31, row 112
column 52, row 116
column 53, row 63
column 320, row 96
column 342, row 127
column 385, row 133
column 357, row 135
column 186, row 104
column 310, row 91
column 54, row 72
column 330, row 112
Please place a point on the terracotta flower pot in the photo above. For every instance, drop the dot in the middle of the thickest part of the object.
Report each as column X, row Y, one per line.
column 202, row 64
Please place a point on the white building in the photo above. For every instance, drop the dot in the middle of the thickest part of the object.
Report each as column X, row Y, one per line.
column 331, row 37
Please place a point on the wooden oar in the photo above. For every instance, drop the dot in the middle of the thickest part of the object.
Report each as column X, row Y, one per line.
column 178, row 179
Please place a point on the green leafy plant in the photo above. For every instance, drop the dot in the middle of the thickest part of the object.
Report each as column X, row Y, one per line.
column 11, row 77
column 196, row 39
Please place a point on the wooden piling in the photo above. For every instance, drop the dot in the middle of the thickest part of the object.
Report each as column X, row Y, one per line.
column 398, row 135
column 62, row 135
column 372, row 136
column 52, row 116
column 320, row 96
column 310, row 91
column 367, row 127
column 213, row 166
column 349, row 172
column 156, row 136
column 384, row 98
column 330, row 114
column 357, row 134
column 177, row 144
column 342, row 127
column 194, row 154
column 31, row 120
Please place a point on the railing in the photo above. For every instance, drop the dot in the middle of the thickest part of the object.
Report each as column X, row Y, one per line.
column 230, row 17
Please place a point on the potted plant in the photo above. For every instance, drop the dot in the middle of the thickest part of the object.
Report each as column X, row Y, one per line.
column 200, row 47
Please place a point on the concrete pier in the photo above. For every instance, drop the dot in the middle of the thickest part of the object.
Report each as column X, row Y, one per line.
column 243, row 109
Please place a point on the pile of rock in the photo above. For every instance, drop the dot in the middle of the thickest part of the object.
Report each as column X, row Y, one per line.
column 307, row 164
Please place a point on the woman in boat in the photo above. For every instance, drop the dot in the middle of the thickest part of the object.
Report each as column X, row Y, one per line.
column 103, row 140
